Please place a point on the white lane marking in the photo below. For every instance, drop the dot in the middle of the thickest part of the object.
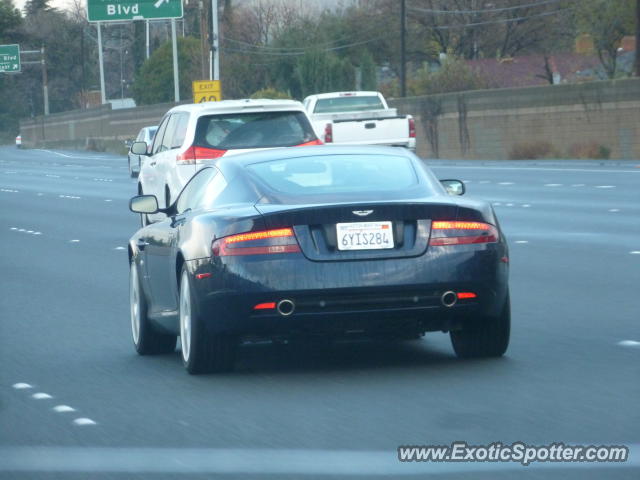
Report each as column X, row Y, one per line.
column 605, row 186
column 41, row 396
column 553, row 184
column 9, row 171
column 635, row 252
column 37, row 233
column 21, row 386
column 614, row 210
column 629, row 343
column 52, row 176
column 39, row 194
column 21, row 230
column 84, row 421
column 252, row 463
column 108, row 200
column 509, row 204
column 521, row 241
column 14, row 228
column 75, row 240
column 8, row 190
column 63, row 409
column 497, row 204
column 485, row 181
column 103, row 180
column 578, row 185
column 505, row 183
column 119, row 248
column 73, row 197
column 525, row 205
column 55, row 153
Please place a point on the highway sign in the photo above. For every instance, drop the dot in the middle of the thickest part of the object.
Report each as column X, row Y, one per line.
column 119, row 10
column 9, row 58
column 206, row 91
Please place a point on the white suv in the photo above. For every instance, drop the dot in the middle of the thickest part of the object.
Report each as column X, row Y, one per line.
column 192, row 136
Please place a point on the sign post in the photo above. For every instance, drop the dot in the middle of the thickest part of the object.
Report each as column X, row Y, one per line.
column 10, row 59
column 122, row 10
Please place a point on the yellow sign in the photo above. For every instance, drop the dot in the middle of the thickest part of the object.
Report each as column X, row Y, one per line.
column 206, row 91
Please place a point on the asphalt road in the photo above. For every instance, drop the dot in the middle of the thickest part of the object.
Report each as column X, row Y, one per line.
column 572, row 372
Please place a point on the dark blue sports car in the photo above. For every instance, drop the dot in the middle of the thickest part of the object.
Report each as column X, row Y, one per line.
column 321, row 241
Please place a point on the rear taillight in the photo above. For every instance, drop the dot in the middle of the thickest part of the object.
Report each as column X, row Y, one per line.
column 412, row 128
column 311, row 143
column 328, row 133
column 195, row 154
column 280, row 240
column 462, row 233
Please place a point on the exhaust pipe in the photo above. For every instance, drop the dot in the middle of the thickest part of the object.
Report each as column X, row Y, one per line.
column 286, row 307
column 449, row 299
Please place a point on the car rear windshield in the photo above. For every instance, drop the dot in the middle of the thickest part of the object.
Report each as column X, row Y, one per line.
column 332, row 174
column 348, row 104
column 253, row 130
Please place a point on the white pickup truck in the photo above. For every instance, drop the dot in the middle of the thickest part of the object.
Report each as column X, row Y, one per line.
column 359, row 118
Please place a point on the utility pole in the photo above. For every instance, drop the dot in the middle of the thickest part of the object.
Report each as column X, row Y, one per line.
column 45, row 83
column 215, row 49
column 147, row 35
column 103, row 94
column 403, row 47
column 176, row 76
column 637, row 38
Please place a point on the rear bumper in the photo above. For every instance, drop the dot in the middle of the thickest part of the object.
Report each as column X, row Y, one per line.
column 368, row 297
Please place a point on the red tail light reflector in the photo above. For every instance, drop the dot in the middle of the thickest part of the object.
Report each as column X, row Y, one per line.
column 265, row 306
column 466, row 295
column 462, row 233
column 280, row 240
column 311, row 143
column 195, row 154
column 412, row 128
column 328, row 133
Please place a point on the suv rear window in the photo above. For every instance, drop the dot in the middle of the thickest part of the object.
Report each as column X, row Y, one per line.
column 253, row 130
column 348, row 104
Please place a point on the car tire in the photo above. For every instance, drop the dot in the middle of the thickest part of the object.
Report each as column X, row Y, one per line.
column 202, row 352
column 146, row 339
column 486, row 338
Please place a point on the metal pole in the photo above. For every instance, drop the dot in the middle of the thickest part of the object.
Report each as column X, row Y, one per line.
column 103, row 94
column 176, row 80
column 45, row 83
column 638, row 38
column 214, row 41
column 147, row 34
column 403, row 60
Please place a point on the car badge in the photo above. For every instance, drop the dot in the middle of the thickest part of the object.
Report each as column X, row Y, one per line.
column 362, row 213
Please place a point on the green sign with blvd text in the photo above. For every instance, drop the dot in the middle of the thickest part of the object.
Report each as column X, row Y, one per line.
column 119, row 10
column 10, row 58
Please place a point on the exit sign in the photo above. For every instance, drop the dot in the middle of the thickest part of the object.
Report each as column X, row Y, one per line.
column 10, row 58
column 119, row 10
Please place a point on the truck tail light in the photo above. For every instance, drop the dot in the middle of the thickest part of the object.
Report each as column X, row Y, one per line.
column 279, row 240
column 412, row 128
column 195, row 154
column 462, row 233
column 328, row 133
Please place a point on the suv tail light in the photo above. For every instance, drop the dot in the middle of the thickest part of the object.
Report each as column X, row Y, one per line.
column 462, row 233
column 280, row 240
column 195, row 154
column 412, row 128
column 328, row 133
column 311, row 143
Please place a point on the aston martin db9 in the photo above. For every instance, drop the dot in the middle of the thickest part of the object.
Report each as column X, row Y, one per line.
column 324, row 241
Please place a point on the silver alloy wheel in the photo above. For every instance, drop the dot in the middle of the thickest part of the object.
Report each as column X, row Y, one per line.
column 185, row 316
column 134, row 301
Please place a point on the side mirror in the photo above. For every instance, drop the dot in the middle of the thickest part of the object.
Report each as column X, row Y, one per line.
column 453, row 187
column 139, row 148
column 144, row 204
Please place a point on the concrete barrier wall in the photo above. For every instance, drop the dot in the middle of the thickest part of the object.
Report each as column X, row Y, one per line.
column 484, row 124
column 490, row 124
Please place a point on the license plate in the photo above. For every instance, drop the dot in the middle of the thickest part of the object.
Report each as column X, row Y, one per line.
column 364, row 235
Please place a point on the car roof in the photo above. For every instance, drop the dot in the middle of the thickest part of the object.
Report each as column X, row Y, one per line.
column 245, row 159
column 235, row 106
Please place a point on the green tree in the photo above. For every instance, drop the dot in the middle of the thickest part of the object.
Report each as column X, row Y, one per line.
column 454, row 76
column 154, row 81
column 607, row 22
column 10, row 22
column 368, row 71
